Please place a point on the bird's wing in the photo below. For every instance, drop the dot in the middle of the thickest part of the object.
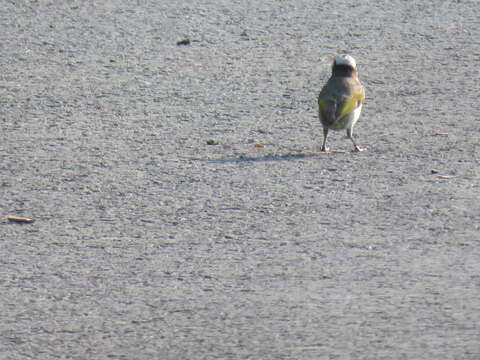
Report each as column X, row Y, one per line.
column 328, row 109
column 349, row 103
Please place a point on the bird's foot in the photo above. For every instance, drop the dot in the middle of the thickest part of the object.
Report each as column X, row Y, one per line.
column 358, row 149
column 324, row 149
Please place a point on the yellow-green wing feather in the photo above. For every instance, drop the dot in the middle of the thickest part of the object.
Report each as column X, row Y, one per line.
column 352, row 103
column 323, row 106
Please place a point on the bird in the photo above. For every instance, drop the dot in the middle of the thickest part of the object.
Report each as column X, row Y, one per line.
column 341, row 99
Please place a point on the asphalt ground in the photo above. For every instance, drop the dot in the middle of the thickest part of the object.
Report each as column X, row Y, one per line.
column 184, row 210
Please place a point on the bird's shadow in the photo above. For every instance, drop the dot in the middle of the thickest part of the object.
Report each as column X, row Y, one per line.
column 275, row 157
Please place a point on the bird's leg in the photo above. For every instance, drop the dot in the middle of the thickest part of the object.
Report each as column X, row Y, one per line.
column 324, row 145
column 356, row 148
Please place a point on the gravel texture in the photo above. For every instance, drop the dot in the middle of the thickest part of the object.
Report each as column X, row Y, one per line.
column 183, row 208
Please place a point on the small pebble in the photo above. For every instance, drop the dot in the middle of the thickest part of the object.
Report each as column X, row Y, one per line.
column 183, row 42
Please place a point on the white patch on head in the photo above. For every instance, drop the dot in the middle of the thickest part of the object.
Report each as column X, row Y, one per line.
column 346, row 60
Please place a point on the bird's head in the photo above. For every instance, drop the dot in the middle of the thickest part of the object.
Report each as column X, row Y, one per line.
column 344, row 65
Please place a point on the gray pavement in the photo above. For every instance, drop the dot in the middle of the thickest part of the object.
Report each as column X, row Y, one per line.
column 152, row 244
